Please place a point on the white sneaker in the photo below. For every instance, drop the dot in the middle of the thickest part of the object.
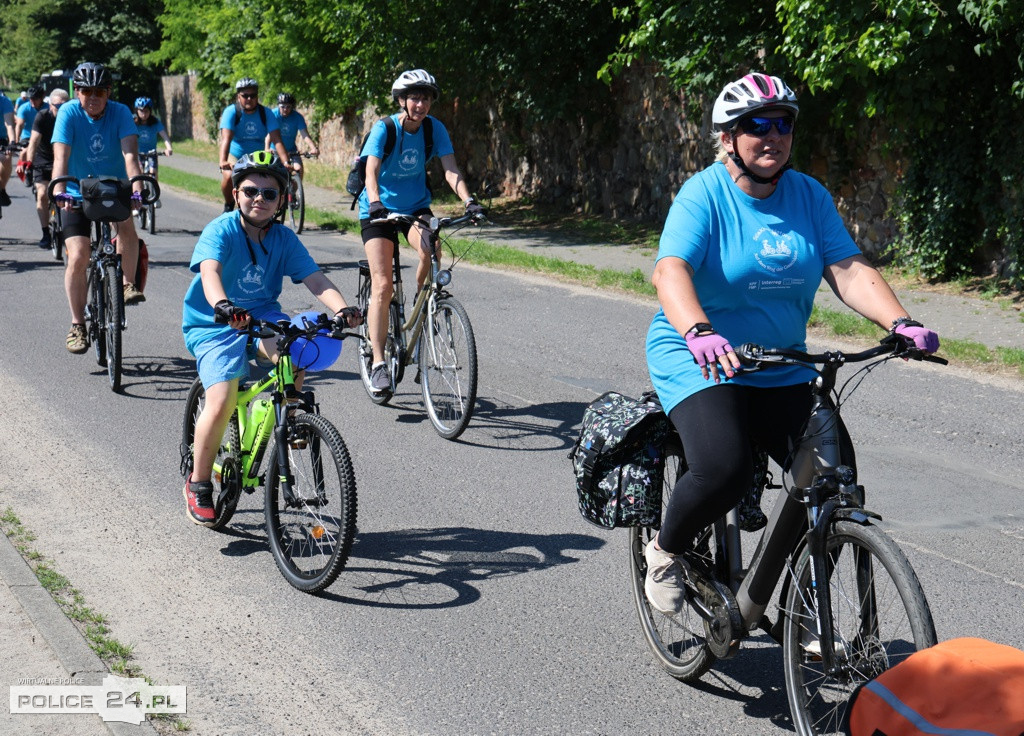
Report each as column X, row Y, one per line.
column 664, row 584
column 812, row 646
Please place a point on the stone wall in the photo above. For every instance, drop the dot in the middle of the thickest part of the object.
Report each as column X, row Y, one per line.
column 627, row 161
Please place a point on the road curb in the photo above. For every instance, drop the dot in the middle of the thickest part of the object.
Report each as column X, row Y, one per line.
column 61, row 635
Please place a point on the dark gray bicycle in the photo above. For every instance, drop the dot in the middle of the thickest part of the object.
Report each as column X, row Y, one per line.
column 849, row 605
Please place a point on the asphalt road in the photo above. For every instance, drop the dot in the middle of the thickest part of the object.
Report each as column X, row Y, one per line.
column 476, row 600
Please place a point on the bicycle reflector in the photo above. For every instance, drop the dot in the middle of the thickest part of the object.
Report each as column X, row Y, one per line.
column 317, row 354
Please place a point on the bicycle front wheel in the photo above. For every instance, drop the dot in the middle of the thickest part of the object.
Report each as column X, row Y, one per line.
column 311, row 522
column 151, row 210
column 296, row 205
column 56, row 241
column 880, row 617
column 448, row 371
column 677, row 641
column 113, row 319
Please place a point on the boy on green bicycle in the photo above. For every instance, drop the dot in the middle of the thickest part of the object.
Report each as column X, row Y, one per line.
column 240, row 262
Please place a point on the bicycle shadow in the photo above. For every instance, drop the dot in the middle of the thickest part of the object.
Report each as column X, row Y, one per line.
column 436, row 568
column 9, row 265
column 158, row 378
column 533, row 428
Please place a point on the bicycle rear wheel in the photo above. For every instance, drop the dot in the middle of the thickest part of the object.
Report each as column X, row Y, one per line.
column 56, row 241
column 227, row 479
column 880, row 617
column 448, row 370
column 296, row 204
column 678, row 642
column 113, row 319
column 392, row 356
column 312, row 525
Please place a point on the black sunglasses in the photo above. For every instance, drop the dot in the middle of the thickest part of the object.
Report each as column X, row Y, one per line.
column 269, row 193
column 760, row 127
column 248, row 95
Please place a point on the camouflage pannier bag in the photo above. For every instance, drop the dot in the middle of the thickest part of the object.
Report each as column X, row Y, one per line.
column 619, row 460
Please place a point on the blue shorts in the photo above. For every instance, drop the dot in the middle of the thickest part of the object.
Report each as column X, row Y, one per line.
column 226, row 354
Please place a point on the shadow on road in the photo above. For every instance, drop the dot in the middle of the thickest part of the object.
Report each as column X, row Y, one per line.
column 436, row 568
column 537, row 427
column 158, row 378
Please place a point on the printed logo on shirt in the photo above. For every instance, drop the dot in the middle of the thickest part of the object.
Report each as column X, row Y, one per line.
column 96, row 144
column 251, row 280
column 409, row 161
column 776, row 253
column 249, row 129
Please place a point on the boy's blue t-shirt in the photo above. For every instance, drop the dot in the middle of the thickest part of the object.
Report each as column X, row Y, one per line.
column 290, row 125
column 149, row 135
column 250, row 133
column 403, row 175
column 252, row 273
column 757, row 264
column 27, row 113
column 95, row 144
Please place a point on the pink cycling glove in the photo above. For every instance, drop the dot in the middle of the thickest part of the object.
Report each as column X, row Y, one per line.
column 921, row 337
column 707, row 348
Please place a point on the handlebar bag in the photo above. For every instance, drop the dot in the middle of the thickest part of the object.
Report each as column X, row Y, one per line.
column 619, row 461
column 963, row 686
column 106, row 199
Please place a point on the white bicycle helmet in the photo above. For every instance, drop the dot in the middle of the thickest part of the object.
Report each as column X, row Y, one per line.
column 415, row 79
column 751, row 93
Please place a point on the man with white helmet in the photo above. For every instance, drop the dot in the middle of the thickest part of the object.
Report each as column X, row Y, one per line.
column 396, row 181
column 745, row 246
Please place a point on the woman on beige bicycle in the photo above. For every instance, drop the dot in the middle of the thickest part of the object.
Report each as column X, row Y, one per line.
column 745, row 246
column 396, row 181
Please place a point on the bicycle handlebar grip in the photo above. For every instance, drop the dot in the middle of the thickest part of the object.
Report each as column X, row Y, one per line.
column 151, row 185
column 58, row 180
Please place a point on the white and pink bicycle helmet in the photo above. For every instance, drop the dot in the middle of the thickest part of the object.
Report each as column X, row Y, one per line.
column 753, row 92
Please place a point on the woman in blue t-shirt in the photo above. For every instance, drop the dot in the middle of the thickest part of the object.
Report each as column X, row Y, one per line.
column 397, row 182
column 745, row 246
column 150, row 129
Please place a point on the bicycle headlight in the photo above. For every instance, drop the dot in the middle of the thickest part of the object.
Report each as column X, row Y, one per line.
column 444, row 277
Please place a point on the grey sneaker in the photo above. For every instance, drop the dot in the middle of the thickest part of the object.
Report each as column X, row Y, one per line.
column 664, row 584
column 132, row 295
column 380, row 378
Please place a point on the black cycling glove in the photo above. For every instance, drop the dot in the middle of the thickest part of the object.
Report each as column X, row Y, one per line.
column 341, row 319
column 224, row 311
column 474, row 208
column 377, row 210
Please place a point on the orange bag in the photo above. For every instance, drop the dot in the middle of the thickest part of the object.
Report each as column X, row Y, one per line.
column 963, row 686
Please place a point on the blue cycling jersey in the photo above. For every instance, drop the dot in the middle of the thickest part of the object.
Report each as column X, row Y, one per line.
column 95, row 144
column 250, row 133
column 290, row 126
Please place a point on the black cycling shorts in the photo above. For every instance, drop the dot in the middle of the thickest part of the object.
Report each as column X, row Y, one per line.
column 389, row 230
column 74, row 223
column 41, row 175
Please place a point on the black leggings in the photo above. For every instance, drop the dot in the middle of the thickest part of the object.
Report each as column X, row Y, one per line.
column 717, row 426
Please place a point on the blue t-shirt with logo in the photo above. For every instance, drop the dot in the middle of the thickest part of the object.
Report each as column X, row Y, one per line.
column 403, row 175
column 757, row 264
column 27, row 113
column 149, row 135
column 250, row 134
column 95, row 144
column 6, row 106
column 290, row 125
column 252, row 273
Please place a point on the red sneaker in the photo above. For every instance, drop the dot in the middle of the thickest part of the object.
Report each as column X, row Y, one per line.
column 199, row 497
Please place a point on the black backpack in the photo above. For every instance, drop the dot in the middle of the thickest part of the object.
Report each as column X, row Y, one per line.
column 238, row 115
column 357, row 176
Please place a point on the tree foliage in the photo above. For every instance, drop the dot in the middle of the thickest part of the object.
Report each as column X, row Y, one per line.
column 938, row 79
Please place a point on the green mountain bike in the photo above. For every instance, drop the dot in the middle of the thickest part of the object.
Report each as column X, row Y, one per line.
column 309, row 484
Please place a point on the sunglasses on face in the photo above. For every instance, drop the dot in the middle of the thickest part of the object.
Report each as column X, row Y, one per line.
column 269, row 194
column 248, row 95
column 760, row 127
column 94, row 91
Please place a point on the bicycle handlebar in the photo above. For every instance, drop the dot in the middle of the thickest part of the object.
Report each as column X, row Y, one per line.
column 753, row 356
column 152, row 186
column 434, row 223
column 290, row 332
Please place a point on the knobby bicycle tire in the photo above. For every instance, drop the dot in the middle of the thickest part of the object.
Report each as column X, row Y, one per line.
column 448, row 368
column 678, row 642
column 311, row 536
column 94, row 315
column 151, row 208
column 227, row 488
column 880, row 613
column 113, row 320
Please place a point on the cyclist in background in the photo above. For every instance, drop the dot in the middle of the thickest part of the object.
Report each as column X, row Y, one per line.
column 27, row 113
column 293, row 126
column 244, row 126
column 398, row 183
column 94, row 136
column 240, row 263
column 149, row 130
column 746, row 243
column 39, row 156
column 7, row 134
